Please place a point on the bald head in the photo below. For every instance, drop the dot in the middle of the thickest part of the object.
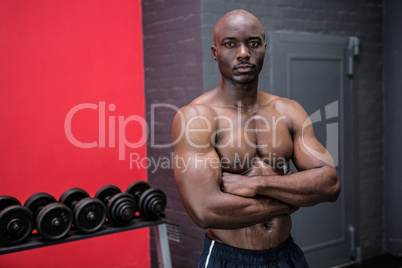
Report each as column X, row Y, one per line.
column 235, row 20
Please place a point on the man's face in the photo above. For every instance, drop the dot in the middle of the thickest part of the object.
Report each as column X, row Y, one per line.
column 239, row 48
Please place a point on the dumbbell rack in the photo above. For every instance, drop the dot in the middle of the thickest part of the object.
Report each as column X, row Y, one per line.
column 158, row 226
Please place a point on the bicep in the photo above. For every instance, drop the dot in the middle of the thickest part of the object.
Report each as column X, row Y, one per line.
column 308, row 152
column 196, row 160
column 197, row 166
column 197, row 171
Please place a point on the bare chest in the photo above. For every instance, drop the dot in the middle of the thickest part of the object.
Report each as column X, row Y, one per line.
column 258, row 143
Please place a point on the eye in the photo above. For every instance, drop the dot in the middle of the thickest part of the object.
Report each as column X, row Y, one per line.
column 254, row 44
column 230, row 44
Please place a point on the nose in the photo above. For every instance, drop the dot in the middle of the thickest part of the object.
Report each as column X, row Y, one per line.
column 243, row 53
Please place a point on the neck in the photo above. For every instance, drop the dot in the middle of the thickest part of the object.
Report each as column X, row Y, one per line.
column 244, row 95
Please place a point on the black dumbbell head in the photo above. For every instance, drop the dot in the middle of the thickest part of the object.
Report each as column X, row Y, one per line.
column 137, row 188
column 36, row 201
column 54, row 221
column 152, row 203
column 106, row 192
column 16, row 224
column 89, row 215
column 6, row 201
column 72, row 196
column 121, row 209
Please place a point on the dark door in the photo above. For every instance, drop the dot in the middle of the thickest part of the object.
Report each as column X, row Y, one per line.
column 312, row 69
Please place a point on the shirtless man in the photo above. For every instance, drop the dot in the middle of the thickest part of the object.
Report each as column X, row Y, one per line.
column 235, row 142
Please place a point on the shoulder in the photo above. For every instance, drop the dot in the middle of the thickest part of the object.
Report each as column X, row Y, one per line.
column 281, row 104
column 201, row 106
column 195, row 110
column 292, row 111
column 194, row 127
column 284, row 106
column 195, row 115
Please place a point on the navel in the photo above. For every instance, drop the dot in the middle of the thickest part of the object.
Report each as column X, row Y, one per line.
column 267, row 225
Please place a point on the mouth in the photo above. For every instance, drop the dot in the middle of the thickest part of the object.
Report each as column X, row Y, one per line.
column 244, row 68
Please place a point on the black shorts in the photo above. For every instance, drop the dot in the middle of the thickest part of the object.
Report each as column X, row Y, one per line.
column 218, row 255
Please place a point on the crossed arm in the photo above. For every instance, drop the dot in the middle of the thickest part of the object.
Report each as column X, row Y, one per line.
column 317, row 180
column 215, row 200
column 198, row 178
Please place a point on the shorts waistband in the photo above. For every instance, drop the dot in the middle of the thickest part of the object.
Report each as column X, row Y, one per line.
column 227, row 252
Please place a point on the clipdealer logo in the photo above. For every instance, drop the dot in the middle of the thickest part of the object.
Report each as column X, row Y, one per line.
column 109, row 126
column 331, row 112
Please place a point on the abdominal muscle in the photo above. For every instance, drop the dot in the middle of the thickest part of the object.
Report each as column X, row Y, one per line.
column 261, row 236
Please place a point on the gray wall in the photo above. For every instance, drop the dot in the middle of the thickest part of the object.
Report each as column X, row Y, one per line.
column 178, row 67
column 345, row 18
column 393, row 122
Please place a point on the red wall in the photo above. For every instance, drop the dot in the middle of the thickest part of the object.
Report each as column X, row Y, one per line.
column 55, row 55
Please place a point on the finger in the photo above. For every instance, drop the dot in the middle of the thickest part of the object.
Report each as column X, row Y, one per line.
column 222, row 189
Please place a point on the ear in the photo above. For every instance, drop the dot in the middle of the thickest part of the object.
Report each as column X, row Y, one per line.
column 213, row 52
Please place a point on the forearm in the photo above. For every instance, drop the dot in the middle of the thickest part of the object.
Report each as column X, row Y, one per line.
column 302, row 189
column 227, row 211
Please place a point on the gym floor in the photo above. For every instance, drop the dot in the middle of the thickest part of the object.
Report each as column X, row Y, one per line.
column 381, row 261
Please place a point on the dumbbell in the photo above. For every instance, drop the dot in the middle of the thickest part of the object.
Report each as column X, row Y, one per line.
column 16, row 221
column 89, row 214
column 53, row 220
column 121, row 207
column 152, row 201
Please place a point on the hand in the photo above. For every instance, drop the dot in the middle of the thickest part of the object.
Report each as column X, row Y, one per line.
column 237, row 185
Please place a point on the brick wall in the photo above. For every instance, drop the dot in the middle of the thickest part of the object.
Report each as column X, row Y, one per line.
column 173, row 75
